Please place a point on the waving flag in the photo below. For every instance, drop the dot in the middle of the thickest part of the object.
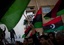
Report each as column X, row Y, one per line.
column 61, row 9
column 54, row 25
column 37, row 21
column 53, row 12
column 27, row 32
column 14, row 13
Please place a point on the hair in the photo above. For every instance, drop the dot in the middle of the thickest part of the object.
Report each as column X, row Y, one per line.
column 53, row 34
column 43, row 36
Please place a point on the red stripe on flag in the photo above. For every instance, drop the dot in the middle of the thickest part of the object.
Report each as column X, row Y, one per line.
column 55, row 20
column 27, row 29
column 38, row 12
column 32, row 33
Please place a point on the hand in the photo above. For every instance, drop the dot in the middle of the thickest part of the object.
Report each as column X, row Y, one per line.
column 33, row 31
column 4, row 29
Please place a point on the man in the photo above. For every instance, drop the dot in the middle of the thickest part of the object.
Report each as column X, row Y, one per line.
column 12, row 33
column 2, row 36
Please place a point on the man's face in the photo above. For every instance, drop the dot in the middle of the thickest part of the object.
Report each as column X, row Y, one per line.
column 42, row 40
column 51, row 36
column 58, row 38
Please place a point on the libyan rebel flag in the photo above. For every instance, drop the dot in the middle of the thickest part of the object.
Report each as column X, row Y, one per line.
column 37, row 21
column 53, row 12
column 61, row 9
column 26, row 32
column 54, row 25
column 14, row 13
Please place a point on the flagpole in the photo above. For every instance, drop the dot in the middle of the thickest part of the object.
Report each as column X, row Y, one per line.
column 37, row 5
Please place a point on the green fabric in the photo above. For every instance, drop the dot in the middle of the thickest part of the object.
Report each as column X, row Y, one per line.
column 52, row 30
column 60, row 12
column 23, row 36
column 60, row 28
column 0, row 22
column 38, row 25
column 46, row 18
column 13, row 15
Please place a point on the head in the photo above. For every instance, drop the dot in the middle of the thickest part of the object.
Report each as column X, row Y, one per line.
column 51, row 35
column 58, row 37
column 43, row 38
column 30, row 40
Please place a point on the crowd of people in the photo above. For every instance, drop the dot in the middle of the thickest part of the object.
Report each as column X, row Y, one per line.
column 46, row 39
column 50, row 39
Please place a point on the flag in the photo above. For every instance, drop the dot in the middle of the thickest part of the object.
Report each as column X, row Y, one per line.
column 55, row 24
column 37, row 21
column 61, row 9
column 14, row 13
column 27, row 31
column 53, row 12
column 4, row 6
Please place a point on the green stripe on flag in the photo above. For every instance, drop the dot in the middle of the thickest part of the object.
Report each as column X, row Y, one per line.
column 38, row 25
column 60, row 12
column 52, row 30
column 46, row 17
column 13, row 15
column 60, row 28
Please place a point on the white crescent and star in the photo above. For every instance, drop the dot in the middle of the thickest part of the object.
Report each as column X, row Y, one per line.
column 52, row 26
